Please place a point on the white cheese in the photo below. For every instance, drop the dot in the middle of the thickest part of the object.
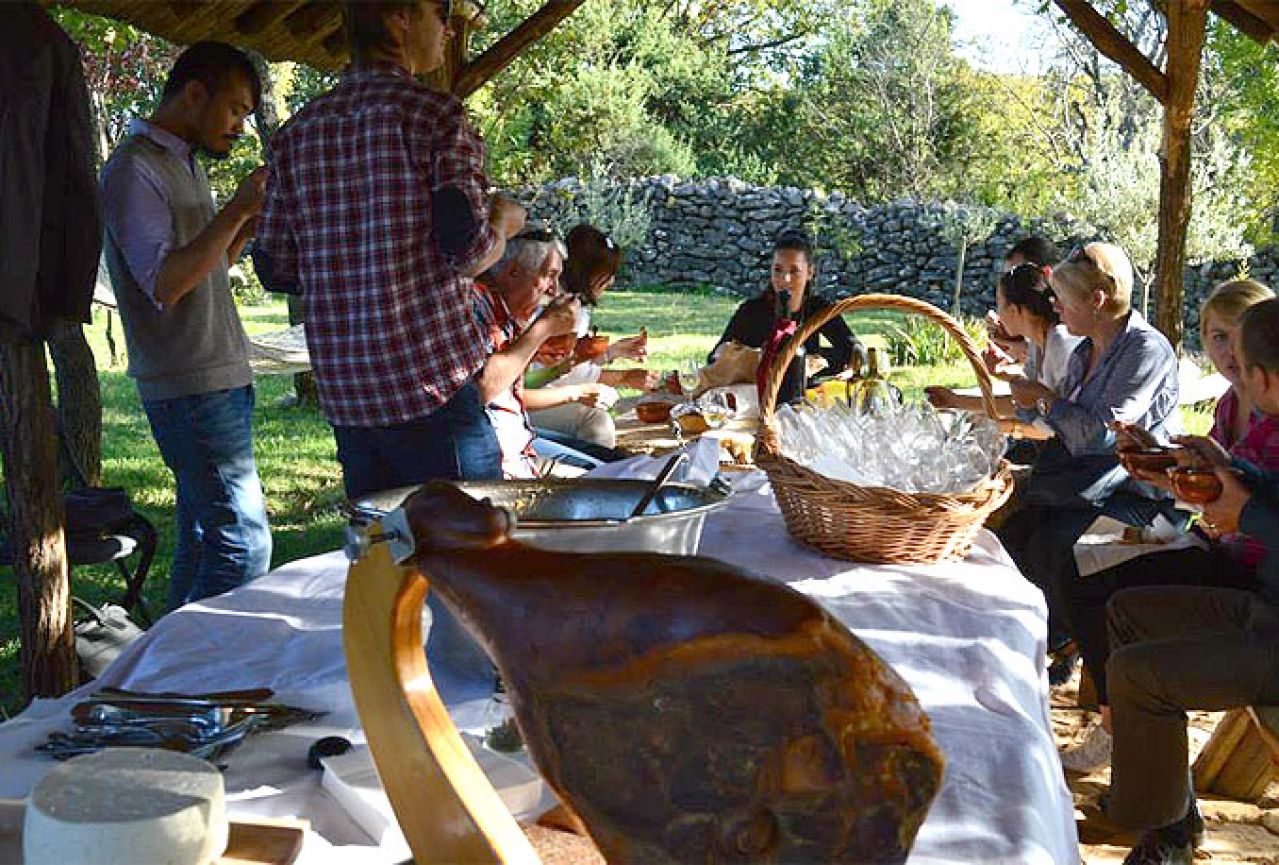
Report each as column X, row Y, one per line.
column 128, row 806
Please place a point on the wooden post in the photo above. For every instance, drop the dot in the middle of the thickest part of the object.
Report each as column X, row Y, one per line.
column 36, row 521
column 1187, row 20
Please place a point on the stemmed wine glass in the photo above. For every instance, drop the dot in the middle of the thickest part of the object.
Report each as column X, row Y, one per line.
column 689, row 377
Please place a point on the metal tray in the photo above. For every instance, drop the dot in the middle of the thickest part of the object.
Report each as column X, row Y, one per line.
column 585, row 515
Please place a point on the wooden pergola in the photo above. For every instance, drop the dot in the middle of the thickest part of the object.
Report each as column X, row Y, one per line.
column 305, row 31
column 1174, row 87
column 310, row 31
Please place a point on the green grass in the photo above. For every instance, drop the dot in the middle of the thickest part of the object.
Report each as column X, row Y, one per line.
column 295, row 448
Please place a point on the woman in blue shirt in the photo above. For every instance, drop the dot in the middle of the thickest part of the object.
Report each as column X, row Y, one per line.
column 1122, row 370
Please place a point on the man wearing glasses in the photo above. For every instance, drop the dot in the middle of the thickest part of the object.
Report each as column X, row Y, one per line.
column 377, row 215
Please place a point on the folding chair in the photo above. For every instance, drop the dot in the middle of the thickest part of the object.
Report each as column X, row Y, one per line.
column 102, row 527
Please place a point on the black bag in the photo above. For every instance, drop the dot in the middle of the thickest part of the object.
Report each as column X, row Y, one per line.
column 95, row 511
column 101, row 635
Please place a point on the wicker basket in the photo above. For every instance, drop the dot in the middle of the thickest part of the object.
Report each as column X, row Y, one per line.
column 875, row 524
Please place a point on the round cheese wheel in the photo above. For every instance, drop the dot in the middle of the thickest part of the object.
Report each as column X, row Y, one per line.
column 127, row 806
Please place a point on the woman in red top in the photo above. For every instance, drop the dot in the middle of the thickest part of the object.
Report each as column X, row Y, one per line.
column 1228, row 561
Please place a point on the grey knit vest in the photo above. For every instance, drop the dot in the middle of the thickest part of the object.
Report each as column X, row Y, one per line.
column 198, row 344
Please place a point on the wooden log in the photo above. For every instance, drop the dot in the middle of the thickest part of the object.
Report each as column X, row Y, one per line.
column 480, row 70
column 1187, row 23
column 1110, row 42
column 36, row 521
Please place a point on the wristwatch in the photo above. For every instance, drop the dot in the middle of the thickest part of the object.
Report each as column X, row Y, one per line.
column 1044, row 405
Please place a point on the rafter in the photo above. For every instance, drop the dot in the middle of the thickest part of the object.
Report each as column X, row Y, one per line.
column 1247, row 23
column 1116, row 46
column 480, row 70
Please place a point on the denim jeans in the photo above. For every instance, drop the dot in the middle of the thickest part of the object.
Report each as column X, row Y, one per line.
column 223, row 535
column 454, row 442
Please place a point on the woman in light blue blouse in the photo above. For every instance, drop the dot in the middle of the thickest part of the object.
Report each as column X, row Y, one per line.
column 1123, row 370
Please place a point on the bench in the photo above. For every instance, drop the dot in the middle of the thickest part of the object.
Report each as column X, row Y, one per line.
column 1242, row 758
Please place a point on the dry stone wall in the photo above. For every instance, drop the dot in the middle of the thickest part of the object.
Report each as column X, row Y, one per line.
column 719, row 231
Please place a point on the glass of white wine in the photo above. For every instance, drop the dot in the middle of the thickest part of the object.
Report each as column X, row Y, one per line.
column 689, row 377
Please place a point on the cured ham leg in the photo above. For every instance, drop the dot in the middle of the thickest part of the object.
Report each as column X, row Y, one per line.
column 686, row 710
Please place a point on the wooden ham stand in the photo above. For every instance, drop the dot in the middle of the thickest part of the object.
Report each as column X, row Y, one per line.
column 445, row 805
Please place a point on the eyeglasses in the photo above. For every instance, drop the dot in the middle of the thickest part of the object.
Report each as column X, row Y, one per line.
column 537, row 235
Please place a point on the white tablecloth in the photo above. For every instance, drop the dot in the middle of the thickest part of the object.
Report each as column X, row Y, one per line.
column 967, row 637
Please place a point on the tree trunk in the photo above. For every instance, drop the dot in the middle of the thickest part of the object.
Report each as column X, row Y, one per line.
column 267, row 115
column 36, row 522
column 956, row 308
column 303, row 382
column 79, row 398
column 1186, row 23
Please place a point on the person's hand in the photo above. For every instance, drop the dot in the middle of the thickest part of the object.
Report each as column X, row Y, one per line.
column 596, row 394
column 998, row 362
column 1016, row 347
column 1026, row 392
column 940, row 397
column 640, row 379
column 1154, row 479
column 250, row 194
column 1129, row 436
column 506, row 216
column 631, row 348
column 559, row 317
column 1221, row 516
column 1201, row 451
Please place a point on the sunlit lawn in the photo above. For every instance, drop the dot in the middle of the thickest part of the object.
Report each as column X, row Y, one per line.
column 295, row 448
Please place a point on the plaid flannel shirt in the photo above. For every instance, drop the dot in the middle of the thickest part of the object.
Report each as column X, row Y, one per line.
column 390, row 320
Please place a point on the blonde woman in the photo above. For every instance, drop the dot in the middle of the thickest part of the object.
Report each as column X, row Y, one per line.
column 1122, row 370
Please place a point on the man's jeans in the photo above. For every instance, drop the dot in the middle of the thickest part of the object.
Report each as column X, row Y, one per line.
column 454, row 442
column 223, row 536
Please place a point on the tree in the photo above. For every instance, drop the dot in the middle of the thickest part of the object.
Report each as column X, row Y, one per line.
column 961, row 227
column 883, row 110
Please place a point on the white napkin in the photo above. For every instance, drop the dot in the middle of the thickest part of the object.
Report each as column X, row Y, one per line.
column 1101, row 546
column 703, row 465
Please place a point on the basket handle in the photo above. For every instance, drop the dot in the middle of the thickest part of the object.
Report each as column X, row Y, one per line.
column 873, row 301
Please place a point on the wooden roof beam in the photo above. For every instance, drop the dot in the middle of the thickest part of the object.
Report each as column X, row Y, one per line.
column 264, row 15
column 311, row 19
column 1266, row 10
column 480, row 70
column 1248, row 23
column 1114, row 45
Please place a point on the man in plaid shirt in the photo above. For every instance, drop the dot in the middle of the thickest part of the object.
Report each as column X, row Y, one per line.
column 377, row 215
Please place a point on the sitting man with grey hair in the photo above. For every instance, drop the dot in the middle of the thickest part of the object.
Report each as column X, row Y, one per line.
column 507, row 303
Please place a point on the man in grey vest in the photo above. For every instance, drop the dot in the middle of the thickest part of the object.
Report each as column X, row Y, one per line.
column 168, row 249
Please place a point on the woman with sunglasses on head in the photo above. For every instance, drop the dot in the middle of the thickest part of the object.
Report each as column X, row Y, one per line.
column 788, row 297
column 1024, row 302
column 1122, row 370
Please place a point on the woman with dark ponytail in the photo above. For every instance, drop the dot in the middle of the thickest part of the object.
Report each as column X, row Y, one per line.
column 1024, row 301
column 788, row 297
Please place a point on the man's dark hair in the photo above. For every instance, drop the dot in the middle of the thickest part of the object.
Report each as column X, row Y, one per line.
column 366, row 24
column 1036, row 250
column 1259, row 335
column 211, row 63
